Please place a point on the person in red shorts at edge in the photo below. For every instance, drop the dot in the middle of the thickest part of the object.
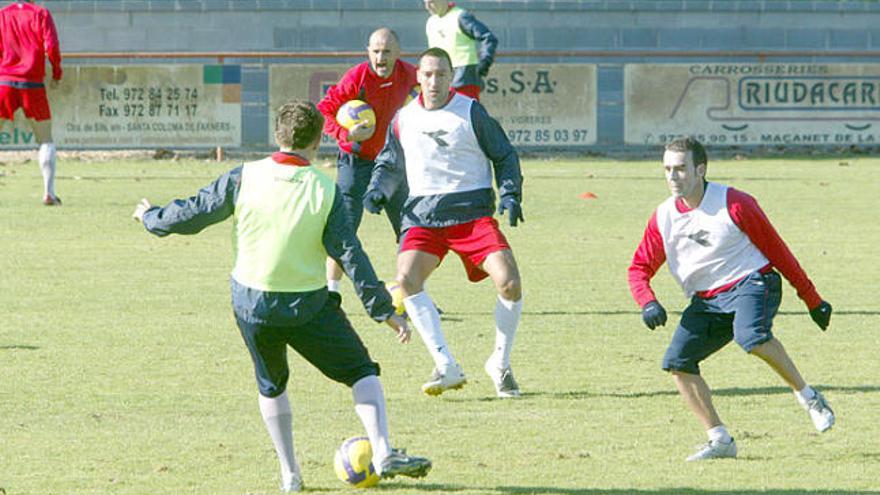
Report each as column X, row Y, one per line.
column 27, row 38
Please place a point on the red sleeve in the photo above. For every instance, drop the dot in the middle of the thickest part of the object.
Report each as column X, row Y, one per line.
column 649, row 256
column 50, row 44
column 346, row 89
column 748, row 216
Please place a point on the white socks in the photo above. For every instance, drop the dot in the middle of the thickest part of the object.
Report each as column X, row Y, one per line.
column 333, row 285
column 424, row 315
column 507, row 316
column 46, row 157
column 369, row 404
column 719, row 434
column 805, row 395
column 278, row 418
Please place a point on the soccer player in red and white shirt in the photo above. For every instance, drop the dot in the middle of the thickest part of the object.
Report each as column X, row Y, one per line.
column 27, row 39
column 724, row 253
column 447, row 149
column 384, row 82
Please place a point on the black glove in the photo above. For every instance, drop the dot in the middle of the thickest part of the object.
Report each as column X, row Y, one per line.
column 653, row 315
column 483, row 69
column 821, row 314
column 510, row 204
column 374, row 201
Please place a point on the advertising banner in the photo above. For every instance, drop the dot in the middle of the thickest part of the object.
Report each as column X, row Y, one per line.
column 140, row 106
column 753, row 104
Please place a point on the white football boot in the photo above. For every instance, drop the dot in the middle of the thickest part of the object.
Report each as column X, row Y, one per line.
column 450, row 378
column 714, row 449
column 505, row 385
column 820, row 412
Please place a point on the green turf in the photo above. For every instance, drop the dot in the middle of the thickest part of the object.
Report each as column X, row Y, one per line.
column 122, row 372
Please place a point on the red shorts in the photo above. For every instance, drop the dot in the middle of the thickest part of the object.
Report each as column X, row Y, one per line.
column 472, row 242
column 32, row 100
column 471, row 90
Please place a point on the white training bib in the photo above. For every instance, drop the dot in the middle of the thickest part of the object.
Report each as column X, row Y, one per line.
column 441, row 149
column 705, row 249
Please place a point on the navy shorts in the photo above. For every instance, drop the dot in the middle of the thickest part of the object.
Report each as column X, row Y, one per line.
column 743, row 314
column 327, row 341
column 353, row 177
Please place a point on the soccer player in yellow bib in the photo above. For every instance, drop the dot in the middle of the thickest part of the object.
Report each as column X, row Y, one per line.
column 288, row 219
column 469, row 43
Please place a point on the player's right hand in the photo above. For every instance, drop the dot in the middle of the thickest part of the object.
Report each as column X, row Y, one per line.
column 653, row 315
column 54, row 83
column 140, row 209
column 399, row 325
column 821, row 315
column 361, row 132
column 374, row 201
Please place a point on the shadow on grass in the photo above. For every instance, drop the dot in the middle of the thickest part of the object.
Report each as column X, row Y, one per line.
column 13, row 347
column 450, row 488
column 734, row 391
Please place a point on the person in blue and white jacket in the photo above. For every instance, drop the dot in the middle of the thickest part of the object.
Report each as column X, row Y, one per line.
column 446, row 147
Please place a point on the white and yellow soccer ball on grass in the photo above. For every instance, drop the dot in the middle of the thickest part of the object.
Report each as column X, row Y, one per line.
column 354, row 112
column 353, row 463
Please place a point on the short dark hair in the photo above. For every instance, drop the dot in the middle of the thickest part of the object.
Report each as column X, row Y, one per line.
column 298, row 124
column 436, row 52
column 685, row 144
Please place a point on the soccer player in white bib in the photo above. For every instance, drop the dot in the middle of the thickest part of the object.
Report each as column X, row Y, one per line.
column 724, row 253
column 447, row 148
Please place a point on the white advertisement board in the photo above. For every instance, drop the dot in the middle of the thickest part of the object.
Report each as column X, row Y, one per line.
column 753, row 104
column 139, row 106
column 552, row 105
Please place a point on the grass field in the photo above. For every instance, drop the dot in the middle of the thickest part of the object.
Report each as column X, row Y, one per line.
column 122, row 372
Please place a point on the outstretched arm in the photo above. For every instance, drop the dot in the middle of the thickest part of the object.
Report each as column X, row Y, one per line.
column 212, row 204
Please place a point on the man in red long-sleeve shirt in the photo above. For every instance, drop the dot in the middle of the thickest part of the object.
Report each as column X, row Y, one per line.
column 27, row 38
column 722, row 250
column 384, row 82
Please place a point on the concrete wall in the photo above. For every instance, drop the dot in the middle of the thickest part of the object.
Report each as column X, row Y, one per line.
column 343, row 25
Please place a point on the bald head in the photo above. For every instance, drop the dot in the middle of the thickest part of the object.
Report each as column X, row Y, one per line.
column 383, row 49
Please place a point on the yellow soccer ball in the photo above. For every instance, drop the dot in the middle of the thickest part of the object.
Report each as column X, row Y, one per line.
column 354, row 112
column 353, row 463
column 397, row 299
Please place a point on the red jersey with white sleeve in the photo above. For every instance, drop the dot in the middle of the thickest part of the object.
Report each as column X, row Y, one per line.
column 745, row 213
column 386, row 96
column 27, row 38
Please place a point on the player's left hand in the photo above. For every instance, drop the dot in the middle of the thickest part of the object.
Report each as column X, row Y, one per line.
column 514, row 210
column 54, row 83
column 821, row 314
column 399, row 325
column 140, row 209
